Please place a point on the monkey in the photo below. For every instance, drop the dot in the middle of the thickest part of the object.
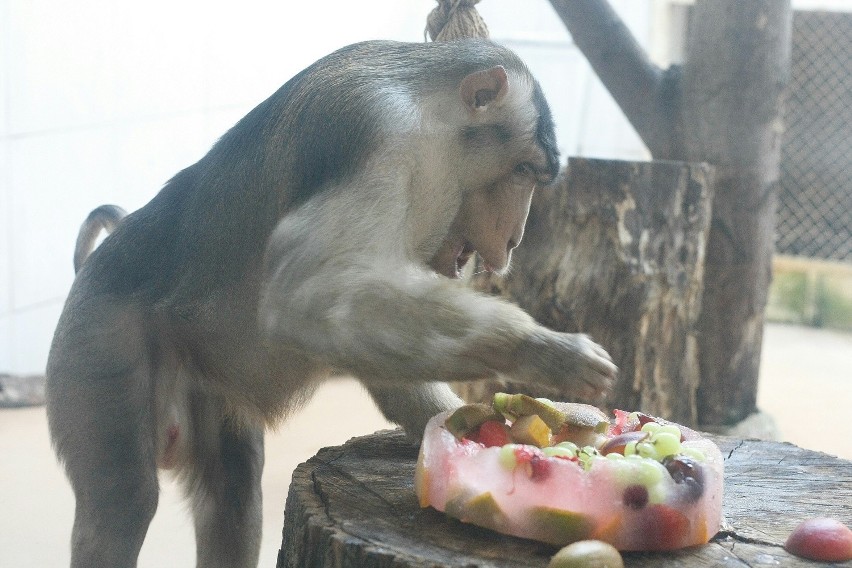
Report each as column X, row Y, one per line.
column 322, row 235
column 102, row 218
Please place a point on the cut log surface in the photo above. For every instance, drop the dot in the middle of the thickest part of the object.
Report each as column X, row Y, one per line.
column 353, row 506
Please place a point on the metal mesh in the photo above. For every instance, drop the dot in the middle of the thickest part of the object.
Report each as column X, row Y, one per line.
column 815, row 198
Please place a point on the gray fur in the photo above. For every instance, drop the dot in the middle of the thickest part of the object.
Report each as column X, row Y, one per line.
column 304, row 244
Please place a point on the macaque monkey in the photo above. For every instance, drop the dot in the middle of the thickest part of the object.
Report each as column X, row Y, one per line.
column 321, row 235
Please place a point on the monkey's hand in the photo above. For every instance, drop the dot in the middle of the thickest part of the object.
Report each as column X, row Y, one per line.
column 570, row 363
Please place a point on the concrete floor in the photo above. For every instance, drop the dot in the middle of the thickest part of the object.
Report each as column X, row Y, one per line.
column 806, row 385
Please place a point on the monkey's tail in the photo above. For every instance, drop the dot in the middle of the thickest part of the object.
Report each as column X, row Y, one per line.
column 103, row 218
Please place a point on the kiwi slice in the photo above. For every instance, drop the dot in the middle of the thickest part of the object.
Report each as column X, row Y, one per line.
column 584, row 416
column 481, row 510
column 558, row 526
column 469, row 417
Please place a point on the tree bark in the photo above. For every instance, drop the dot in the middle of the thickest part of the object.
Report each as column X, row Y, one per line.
column 648, row 95
column 352, row 506
column 724, row 108
column 733, row 88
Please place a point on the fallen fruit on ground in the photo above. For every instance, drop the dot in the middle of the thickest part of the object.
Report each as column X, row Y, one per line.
column 822, row 539
column 587, row 554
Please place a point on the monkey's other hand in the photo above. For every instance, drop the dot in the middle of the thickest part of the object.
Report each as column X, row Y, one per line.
column 570, row 363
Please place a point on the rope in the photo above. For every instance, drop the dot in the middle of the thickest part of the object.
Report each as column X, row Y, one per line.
column 455, row 19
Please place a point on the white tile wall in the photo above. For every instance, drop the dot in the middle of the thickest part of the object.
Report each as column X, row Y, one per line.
column 58, row 65
column 4, row 70
column 30, row 337
column 6, row 343
column 52, row 177
column 105, row 101
column 5, row 240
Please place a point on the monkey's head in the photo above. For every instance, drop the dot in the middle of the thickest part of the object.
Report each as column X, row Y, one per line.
column 505, row 148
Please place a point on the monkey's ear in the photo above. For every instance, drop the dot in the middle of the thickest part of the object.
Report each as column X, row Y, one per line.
column 480, row 89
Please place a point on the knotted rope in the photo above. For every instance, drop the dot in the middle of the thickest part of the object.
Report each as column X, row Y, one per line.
column 455, row 19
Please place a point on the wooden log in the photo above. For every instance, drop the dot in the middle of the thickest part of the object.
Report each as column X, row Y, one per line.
column 734, row 81
column 615, row 249
column 353, row 506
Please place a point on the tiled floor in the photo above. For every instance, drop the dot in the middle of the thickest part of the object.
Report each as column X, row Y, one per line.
column 806, row 385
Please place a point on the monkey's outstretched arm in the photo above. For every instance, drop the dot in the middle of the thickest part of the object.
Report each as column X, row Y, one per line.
column 388, row 321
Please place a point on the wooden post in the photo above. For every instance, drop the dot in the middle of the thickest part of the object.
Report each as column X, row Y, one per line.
column 738, row 63
column 616, row 250
column 723, row 107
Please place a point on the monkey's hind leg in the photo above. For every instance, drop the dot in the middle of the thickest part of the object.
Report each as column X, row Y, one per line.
column 100, row 424
column 223, row 485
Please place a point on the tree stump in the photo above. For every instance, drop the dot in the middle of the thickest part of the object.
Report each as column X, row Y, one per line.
column 353, row 506
column 615, row 249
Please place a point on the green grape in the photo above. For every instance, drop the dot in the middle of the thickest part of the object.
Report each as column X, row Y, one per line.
column 651, row 427
column 671, row 429
column 657, row 494
column 587, row 456
column 558, row 451
column 648, row 472
column 647, row 450
column 635, row 470
column 569, row 445
column 630, row 449
column 693, row 453
column 666, row 443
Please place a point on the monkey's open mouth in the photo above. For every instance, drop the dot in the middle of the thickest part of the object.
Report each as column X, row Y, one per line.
column 462, row 257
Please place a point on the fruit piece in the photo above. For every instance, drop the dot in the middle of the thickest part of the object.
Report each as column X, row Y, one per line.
column 507, row 458
column 666, row 443
column 587, row 554
column 665, row 526
column 530, row 430
column 635, row 496
column 493, row 433
column 531, row 460
column 617, row 443
column 468, row 418
column 621, row 424
column 634, row 503
column 584, row 416
column 632, row 470
column 481, row 510
column 559, row 452
column 587, row 455
column 688, row 473
column 579, row 435
column 647, row 450
column 822, row 539
column 520, row 405
column 558, row 526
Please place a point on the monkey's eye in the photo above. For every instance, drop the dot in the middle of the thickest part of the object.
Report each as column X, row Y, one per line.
column 525, row 169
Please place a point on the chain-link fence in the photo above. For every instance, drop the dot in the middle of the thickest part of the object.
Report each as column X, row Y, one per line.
column 815, row 200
